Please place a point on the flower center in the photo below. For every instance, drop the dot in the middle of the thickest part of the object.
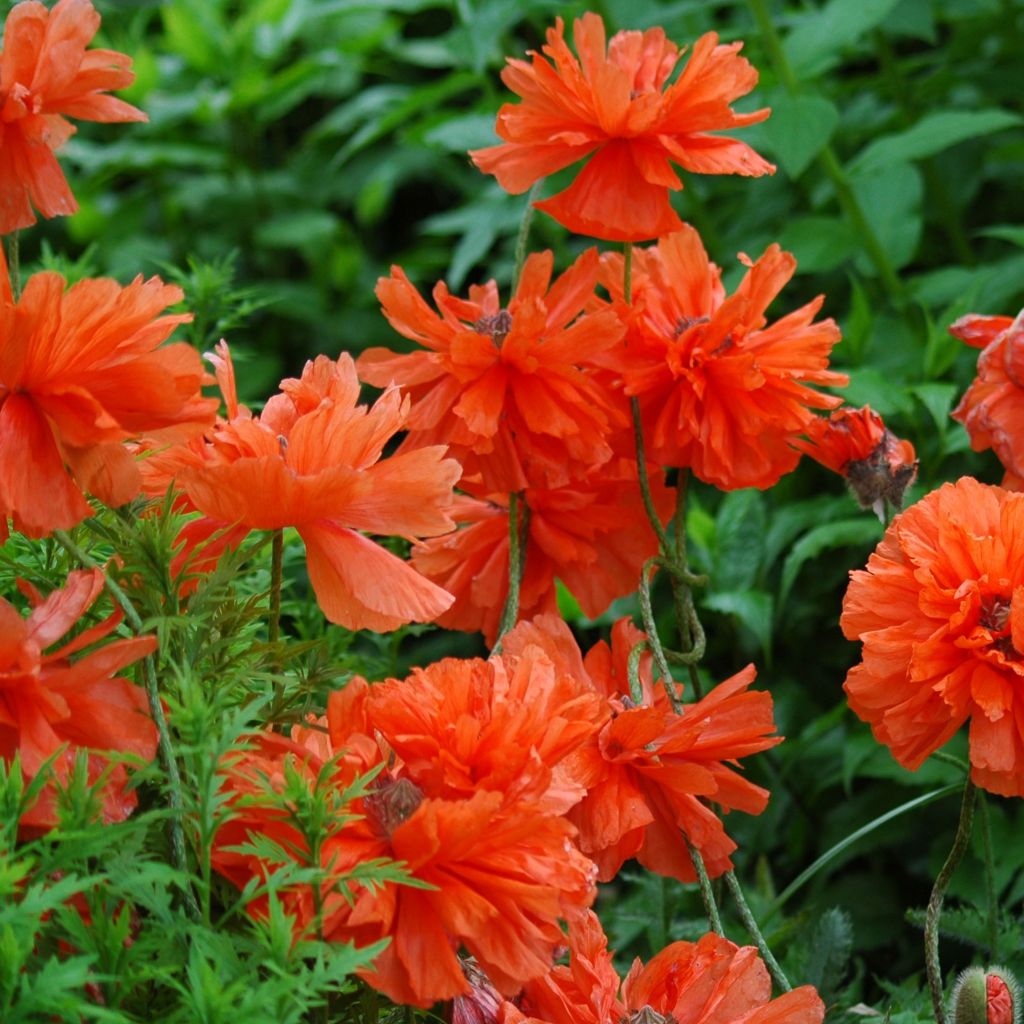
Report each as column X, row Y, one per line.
column 684, row 323
column 647, row 1015
column 391, row 802
column 496, row 326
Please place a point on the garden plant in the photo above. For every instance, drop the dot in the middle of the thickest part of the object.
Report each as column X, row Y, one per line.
column 511, row 513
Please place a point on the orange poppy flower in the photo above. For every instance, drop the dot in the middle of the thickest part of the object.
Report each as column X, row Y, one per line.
column 508, row 390
column 50, row 705
column 81, row 371
column 500, row 864
column 652, row 772
column 711, row 981
column 46, row 75
column 615, row 108
column 856, row 444
column 721, row 391
column 313, row 460
column 991, row 408
column 940, row 612
column 592, row 534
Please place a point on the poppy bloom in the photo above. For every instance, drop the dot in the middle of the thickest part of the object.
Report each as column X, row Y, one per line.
column 985, row 997
column 81, row 372
column 711, row 981
column 313, row 460
column 592, row 534
column 615, row 108
column 721, row 391
column 940, row 612
column 46, row 75
column 856, row 444
column 652, row 772
column 508, row 390
column 482, row 833
column 49, row 702
column 991, row 408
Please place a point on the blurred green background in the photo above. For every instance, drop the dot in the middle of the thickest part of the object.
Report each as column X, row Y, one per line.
column 297, row 148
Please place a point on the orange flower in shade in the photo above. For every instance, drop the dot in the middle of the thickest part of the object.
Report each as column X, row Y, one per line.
column 711, row 981
column 46, row 75
column 991, row 408
column 940, row 612
column 856, row 444
column 652, row 772
column 592, row 534
column 313, row 460
column 614, row 107
column 473, row 813
column 722, row 392
column 50, row 705
column 508, row 390
column 82, row 371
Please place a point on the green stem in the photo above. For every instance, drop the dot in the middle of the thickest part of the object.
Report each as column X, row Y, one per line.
column 934, row 909
column 524, row 233
column 276, row 573
column 750, row 923
column 14, row 264
column 156, row 709
column 651, row 629
column 518, row 519
column 644, row 479
column 627, row 272
column 991, row 895
column 691, row 633
column 706, row 892
column 829, row 161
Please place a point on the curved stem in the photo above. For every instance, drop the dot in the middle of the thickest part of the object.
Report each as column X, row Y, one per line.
column 156, row 709
column 651, row 628
column 750, row 923
column 644, row 480
column 276, row 572
column 518, row 514
column 524, row 233
column 934, row 910
column 706, row 892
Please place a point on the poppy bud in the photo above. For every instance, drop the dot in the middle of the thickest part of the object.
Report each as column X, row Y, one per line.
column 986, row 997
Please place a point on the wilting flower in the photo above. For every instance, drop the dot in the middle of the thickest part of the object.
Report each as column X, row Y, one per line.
column 81, row 372
column 721, row 391
column 940, row 612
column 475, row 765
column 652, row 772
column 508, row 390
column 615, row 108
column 46, row 75
column 592, row 534
column 51, row 705
column 313, row 460
column 991, row 408
column 711, row 981
column 856, row 444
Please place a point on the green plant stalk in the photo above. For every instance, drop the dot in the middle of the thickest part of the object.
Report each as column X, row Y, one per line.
column 523, row 237
column 156, row 709
column 644, row 480
column 691, row 634
column 991, row 896
column 706, row 892
column 829, row 161
column 750, row 923
column 517, row 526
column 276, row 574
column 934, row 909
column 14, row 264
column 651, row 628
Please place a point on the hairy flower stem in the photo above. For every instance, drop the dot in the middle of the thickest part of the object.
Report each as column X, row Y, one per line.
column 750, row 923
column 518, row 523
column 706, row 892
column 14, row 264
column 524, row 233
column 991, row 897
column 828, row 160
column 934, row 910
column 156, row 709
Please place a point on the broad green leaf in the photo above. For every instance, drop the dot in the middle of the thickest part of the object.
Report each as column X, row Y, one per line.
column 938, row 400
column 1013, row 233
column 818, row 40
column 798, row 129
column 818, row 243
column 304, row 227
column 458, row 134
column 740, row 529
column 753, row 608
column 844, row 533
column 858, row 326
column 891, row 201
column 869, row 386
column 931, row 135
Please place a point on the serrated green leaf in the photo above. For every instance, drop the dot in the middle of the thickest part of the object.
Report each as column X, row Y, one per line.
column 932, row 134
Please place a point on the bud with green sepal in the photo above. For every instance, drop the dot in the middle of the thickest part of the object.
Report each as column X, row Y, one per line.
column 986, row 996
